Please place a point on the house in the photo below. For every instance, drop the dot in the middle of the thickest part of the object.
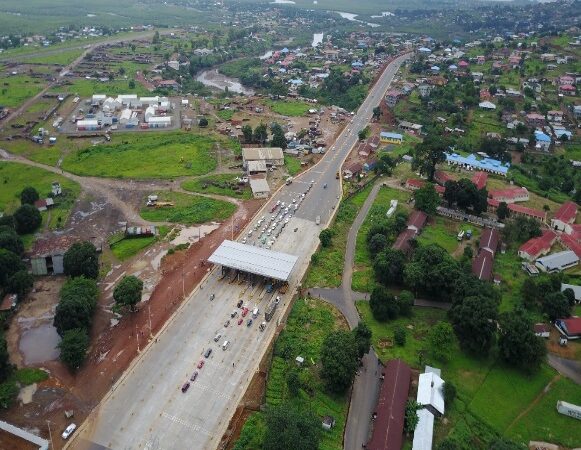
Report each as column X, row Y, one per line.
column 543, row 141
column 535, row 119
column 424, row 90
column 47, row 254
column 391, row 97
column 567, row 89
column 571, row 243
column 390, row 138
column 569, row 328
column 482, row 266
column 256, row 167
column 431, row 397
column 402, row 241
column 44, row 204
column 441, row 177
column 471, row 162
column 489, row 241
column 555, row 116
column 172, row 84
column 479, row 179
column 542, row 330
column 410, row 126
column 564, row 217
column 576, row 290
column 538, row 246
column 480, row 60
column 390, row 409
column 557, row 262
column 259, row 186
column 487, row 105
column 509, row 195
column 414, row 184
column 272, row 156
column 417, row 220
column 525, row 211
column 353, row 170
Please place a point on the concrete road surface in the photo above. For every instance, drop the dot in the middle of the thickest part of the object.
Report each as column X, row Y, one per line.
column 146, row 409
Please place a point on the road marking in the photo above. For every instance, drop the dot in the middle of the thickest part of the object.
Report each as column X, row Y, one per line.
column 182, row 422
column 205, row 388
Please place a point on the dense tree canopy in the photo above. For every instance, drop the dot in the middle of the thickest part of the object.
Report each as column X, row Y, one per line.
column 465, row 195
column 10, row 241
column 20, row 284
column 128, row 291
column 427, row 199
column 363, row 338
column 27, row 219
column 10, row 263
column 428, row 154
column 517, row 342
column 28, row 196
column 441, row 340
column 78, row 300
column 474, row 322
column 74, row 347
column 520, row 229
column 339, row 358
column 81, row 259
column 383, row 304
column 389, row 265
column 288, row 428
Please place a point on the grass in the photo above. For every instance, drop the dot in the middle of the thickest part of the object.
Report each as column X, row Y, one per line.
column 14, row 177
column 309, row 323
column 363, row 278
column 443, row 232
column 63, row 58
column 29, row 375
column 293, row 165
column 223, row 184
column 289, row 109
column 508, row 266
column 326, row 267
column 15, row 89
column 145, row 155
column 225, row 114
column 86, row 88
column 127, row 247
column 188, row 209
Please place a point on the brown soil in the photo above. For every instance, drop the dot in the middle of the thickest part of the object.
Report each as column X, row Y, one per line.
column 113, row 349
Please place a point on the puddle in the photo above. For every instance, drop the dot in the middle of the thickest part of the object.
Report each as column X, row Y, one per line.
column 39, row 344
column 193, row 234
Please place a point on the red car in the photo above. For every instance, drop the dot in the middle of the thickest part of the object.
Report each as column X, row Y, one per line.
column 240, row 321
column 201, row 364
column 273, row 208
column 186, row 386
column 244, row 312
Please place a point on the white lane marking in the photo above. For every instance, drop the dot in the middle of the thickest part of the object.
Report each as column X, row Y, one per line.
column 217, row 393
column 182, row 422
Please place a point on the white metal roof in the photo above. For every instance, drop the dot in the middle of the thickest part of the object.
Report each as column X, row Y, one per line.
column 431, row 391
column 256, row 260
column 424, row 432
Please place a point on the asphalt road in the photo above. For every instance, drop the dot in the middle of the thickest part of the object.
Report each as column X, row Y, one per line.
column 146, row 409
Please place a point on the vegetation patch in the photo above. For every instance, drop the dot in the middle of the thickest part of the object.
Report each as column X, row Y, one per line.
column 188, row 209
column 289, row 109
column 223, row 184
column 145, row 155
column 292, row 164
column 125, row 248
column 29, row 375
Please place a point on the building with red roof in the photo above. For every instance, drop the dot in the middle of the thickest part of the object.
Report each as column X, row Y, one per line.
column 539, row 246
column 417, row 220
column 402, row 242
column 388, row 425
column 571, row 244
column 564, row 216
column 569, row 328
column 510, row 195
column 480, row 179
column 489, row 241
column 482, row 266
column 525, row 211
column 441, row 177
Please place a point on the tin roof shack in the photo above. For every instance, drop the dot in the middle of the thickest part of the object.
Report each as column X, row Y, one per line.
column 46, row 257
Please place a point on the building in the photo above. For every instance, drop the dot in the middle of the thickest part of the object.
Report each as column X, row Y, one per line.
column 390, row 138
column 431, row 397
column 353, row 170
column 388, row 425
column 272, row 156
column 489, row 241
column 487, row 105
column 256, row 167
column 159, row 122
column 391, row 97
column 542, row 330
column 479, row 179
column 482, row 266
column 564, row 217
column 415, row 128
column 569, row 328
column 557, row 262
column 510, row 195
column 259, row 186
column 46, row 257
column 571, row 243
column 88, row 125
column 539, row 246
column 525, row 211
column 543, row 141
column 417, row 221
column 402, row 241
column 471, row 162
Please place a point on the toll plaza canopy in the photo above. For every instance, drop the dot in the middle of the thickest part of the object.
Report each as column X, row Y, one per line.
column 255, row 260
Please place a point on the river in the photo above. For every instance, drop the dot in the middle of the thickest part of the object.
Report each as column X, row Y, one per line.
column 212, row 78
column 352, row 18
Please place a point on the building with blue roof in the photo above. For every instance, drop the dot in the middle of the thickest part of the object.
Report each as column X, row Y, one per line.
column 357, row 64
column 471, row 162
column 390, row 138
column 296, row 82
column 543, row 141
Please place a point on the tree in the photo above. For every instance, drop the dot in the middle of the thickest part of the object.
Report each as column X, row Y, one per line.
column 364, row 133
column 20, row 284
column 203, row 122
column 8, row 392
column 293, row 383
column 339, row 358
column 474, row 322
column 155, row 39
column 288, row 428
column 385, row 164
column 428, row 154
column 399, row 336
column 405, row 301
column 260, row 134
column 81, row 259
column 449, row 393
column 556, row 306
column 388, row 265
column 7, row 221
column 74, row 347
column 411, row 416
column 128, row 292
column 131, row 84
column 466, row 196
column 28, row 196
column 570, row 294
column 502, row 211
column 278, row 139
column 78, row 300
column 6, row 368
column 363, row 338
column 377, row 243
column 377, row 112
column 517, row 342
column 27, row 219
column 427, row 199
column 10, row 263
column 520, row 229
column 383, row 304
column 325, row 237
column 10, row 241
column 247, row 133
column 441, row 341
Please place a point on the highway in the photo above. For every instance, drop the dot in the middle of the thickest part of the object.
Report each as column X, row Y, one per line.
column 146, row 409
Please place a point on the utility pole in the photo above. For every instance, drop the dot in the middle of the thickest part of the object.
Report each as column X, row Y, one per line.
column 137, row 337
column 50, row 434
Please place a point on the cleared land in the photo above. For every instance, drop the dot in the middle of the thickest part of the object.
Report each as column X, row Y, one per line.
column 15, row 89
column 188, row 209
column 309, row 323
column 289, row 109
column 223, row 184
column 145, row 155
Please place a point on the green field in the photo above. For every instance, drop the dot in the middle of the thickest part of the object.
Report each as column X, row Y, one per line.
column 145, row 155
column 63, row 58
column 15, row 89
column 15, row 177
column 444, row 232
column 293, row 165
column 289, row 109
column 188, row 209
column 86, row 88
column 126, row 248
column 223, row 184
column 309, row 323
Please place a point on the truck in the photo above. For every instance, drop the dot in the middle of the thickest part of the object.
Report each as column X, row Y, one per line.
column 271, row 309
column 460, row 235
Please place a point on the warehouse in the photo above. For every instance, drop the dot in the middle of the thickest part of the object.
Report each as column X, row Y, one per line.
column 254, row 260
column 272, row 156
column 159, row 122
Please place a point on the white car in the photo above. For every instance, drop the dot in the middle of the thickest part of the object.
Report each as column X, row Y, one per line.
column 294, row 200
column 250, row 233
column 278, row 202
column 244, row 241
column 286, row 220
column 69, row 430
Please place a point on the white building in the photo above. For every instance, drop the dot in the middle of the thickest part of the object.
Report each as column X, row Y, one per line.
column 159, row 122
column 431, row 396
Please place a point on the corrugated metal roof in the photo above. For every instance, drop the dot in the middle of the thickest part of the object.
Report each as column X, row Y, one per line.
column 431, row 391
column 424, row 432
column 256, row 260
